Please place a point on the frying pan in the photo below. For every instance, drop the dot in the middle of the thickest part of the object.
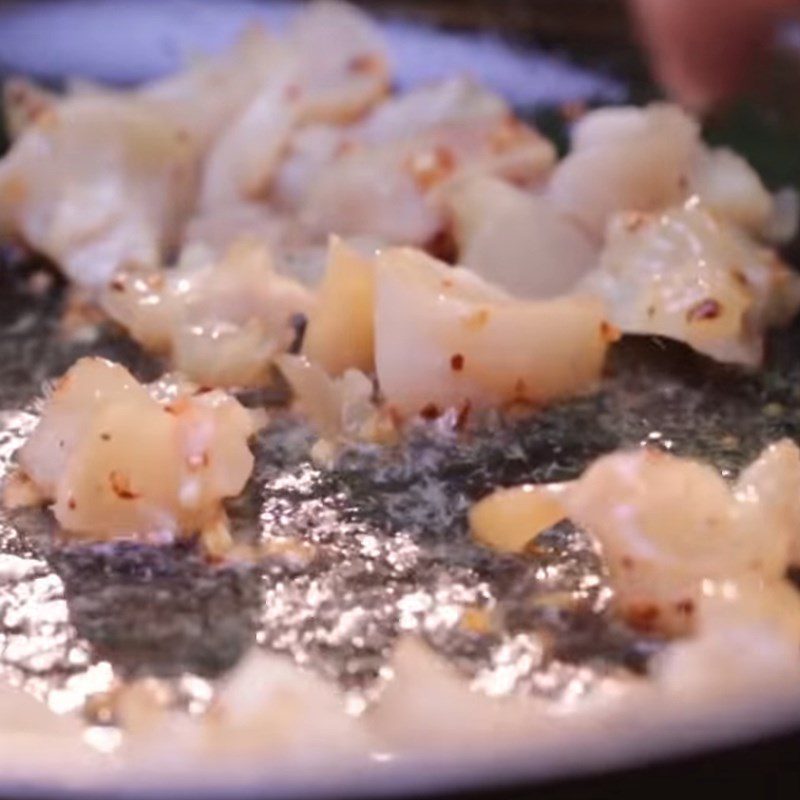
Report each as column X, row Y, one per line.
column 388, row 525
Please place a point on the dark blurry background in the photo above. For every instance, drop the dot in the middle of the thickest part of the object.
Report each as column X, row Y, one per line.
column 588, row 22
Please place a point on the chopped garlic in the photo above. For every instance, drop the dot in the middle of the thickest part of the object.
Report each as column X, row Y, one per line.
column 340, row 408
column 517, row 239
column 682, row 547
column 340, row 330
column 221, row 321
column 509, row 519
column 625, row 159
column 209, row 95
column 647, row 159
column 423, row 681
column 446, row 338
column 728, row 185
column 455, row 131
column 452, row 101
column 267, row 707
column 119, row 459
column 96, row 184
column 724, row 662
column 665, row 525
column 244, row 159
column 690, row 275
column 341, row 64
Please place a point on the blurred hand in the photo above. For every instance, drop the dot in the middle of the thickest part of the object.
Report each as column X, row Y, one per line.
column 704, row 51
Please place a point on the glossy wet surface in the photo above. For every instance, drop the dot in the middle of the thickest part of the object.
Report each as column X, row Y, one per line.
column 390, row 550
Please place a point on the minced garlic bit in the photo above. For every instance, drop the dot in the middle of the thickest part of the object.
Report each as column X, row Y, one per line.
column 341, row 409
column 509, row 519
column 340, row 330
column 119, row 459
column 267, row 707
